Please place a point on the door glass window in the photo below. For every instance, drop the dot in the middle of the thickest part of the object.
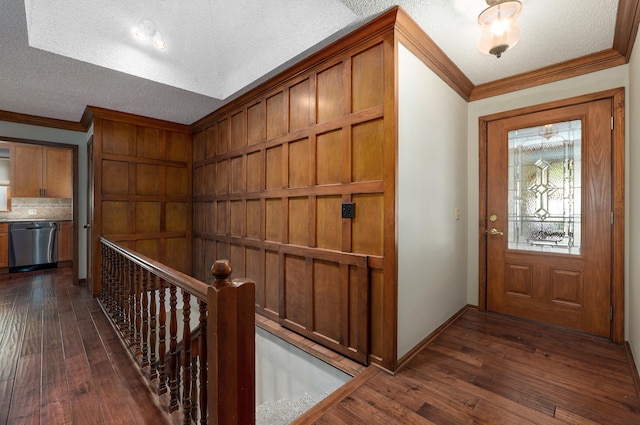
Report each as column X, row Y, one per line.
column 545, row 182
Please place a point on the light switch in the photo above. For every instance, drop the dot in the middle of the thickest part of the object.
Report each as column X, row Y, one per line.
column 458, row 214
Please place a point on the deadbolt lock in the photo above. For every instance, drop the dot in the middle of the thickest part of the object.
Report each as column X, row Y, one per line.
column 493, row 218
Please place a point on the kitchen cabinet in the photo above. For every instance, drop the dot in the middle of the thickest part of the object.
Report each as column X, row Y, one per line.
column 4, row 245
column 41, row 171
column 65, row 241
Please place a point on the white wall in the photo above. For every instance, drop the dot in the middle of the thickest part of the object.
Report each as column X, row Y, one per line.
column 45, row 134
column 590, row 83
column 633, row 202
column 432, row 182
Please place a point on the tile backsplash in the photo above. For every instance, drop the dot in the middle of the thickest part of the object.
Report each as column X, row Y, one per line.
column 44, row 208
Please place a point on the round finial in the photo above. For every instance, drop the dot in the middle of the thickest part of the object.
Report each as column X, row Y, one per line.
column 221, row 269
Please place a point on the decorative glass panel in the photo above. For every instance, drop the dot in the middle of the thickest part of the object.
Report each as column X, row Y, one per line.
column 545, row 182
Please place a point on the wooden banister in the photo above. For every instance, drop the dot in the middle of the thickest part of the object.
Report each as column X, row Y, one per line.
column 231, row 400
column 204, row 369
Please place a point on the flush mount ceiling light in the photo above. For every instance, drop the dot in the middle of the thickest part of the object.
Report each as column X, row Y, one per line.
column 499, row 26
column 147, row 30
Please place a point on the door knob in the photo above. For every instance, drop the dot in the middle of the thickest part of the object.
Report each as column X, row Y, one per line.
column 495, row 232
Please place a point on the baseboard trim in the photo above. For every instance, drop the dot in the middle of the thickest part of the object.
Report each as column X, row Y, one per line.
column 402, row 361
column 632, row 366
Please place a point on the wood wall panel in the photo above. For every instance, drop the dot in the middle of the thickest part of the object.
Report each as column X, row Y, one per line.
column 330, row 94
column 147, row 180
column 367, row 154
column 175, row 216
column 368, row 224
column 330, row 158
column 296, row 151
column 237, row 174
column 273, row 220
column 254, row 267
column 237, row 219
column 147, row 217
column 210, row 217
column 299, row 170
column 299, row 221
column 329, row 222
column 300, row 105
column 255, row 167
column 148, row 247
column 327, row 299
column 177, row 181
column 274, row 164
column 254, row 219
column 143, row 186
column 199, row 147
column 210, row 137
column 175, row 150
column 148, row 143
column 117, row 138
column 222, row 142
column 367, row 78
column 255, row 124
column 275, row 116
column 222, row 217
column 296, row 292
column 222, row 178
column 236, row 256
column 377, row 300
column 238, row 138
column 176, row 245
column 272, row 282
column 117, row 174
column 115, row 217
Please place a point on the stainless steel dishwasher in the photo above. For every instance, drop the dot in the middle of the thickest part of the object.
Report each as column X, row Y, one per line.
column 32, row 245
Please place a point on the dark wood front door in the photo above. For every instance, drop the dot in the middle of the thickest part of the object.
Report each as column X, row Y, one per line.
column 549, row 216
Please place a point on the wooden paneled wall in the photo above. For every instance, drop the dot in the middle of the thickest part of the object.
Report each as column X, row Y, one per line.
column 142, row 187
column 271, row 172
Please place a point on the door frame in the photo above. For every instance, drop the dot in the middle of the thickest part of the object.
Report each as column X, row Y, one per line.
column 618, row 202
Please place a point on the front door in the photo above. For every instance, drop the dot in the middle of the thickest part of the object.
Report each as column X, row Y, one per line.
column 549, row 216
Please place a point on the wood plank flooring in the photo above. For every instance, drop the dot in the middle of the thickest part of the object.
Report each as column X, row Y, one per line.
column 490, row 369
column 61, row 363
column 60, row 360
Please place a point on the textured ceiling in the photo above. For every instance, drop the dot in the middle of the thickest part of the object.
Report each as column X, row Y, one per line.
column 58, row 57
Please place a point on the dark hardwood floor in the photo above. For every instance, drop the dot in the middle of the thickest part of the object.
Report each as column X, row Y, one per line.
column 490, row 369
column 60, row 361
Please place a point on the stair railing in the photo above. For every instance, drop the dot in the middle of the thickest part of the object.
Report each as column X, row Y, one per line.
column 194, row 342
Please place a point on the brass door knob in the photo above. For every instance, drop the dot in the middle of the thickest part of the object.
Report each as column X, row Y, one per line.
column 495, row 232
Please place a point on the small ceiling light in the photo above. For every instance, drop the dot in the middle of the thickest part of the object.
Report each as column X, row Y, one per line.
column 147, row 30
column 499, row 26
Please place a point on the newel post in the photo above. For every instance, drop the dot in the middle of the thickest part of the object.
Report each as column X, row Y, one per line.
column 231, row 343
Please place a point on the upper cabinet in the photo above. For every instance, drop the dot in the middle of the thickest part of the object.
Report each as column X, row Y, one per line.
column 41, row 171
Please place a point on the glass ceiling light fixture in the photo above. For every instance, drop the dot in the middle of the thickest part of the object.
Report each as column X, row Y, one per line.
column 499, row 27
column 147, row 30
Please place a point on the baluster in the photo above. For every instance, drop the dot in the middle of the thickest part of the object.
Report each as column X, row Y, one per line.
column 194, row 388
column 186, row 358
column 138, row 339
column 132, row 303
column 153, row 371
column 145, row 318
column 203, row 361
column 111, row 285
column 106, row 280
column 162, row 387
column 126, row 298
column 119, row 291
column 173, row 346
column 103, row 272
